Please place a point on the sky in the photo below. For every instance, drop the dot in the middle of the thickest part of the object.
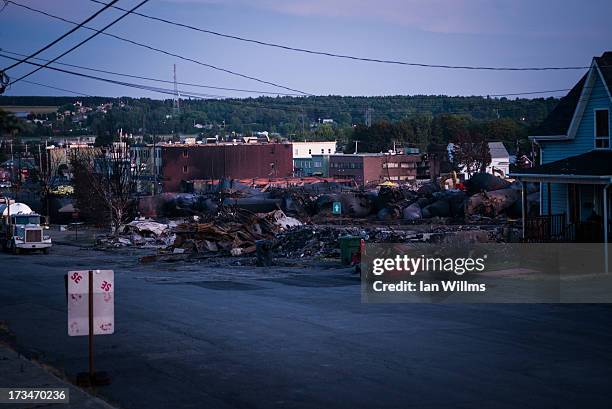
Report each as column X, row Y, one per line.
column 510, row 33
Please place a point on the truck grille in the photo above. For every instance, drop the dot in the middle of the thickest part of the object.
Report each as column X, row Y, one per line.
column 33, row 236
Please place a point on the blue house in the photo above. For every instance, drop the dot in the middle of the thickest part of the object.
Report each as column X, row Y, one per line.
column 575, row 170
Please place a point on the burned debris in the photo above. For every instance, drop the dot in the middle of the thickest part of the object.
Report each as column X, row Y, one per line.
column 295, row 222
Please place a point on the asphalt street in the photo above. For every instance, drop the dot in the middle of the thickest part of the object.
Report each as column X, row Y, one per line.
column 204, row 335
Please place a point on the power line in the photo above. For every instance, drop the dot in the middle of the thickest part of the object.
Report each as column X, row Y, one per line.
column 57, row 88
column 426, row 103
column 57, row 40
column 112, row 23
column 154, row 79
column 346, row 56
column 164, row 51
column 530, row 93
column 239, row 89
column 127, row 84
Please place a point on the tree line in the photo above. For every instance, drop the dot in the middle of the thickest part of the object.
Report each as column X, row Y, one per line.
column 417, row 120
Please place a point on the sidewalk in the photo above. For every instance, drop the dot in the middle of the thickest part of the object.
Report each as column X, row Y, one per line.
column 16, row 371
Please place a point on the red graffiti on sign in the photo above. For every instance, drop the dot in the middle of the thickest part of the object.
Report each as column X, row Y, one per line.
column 106, row 327
column 106, row 286
column 76, row 277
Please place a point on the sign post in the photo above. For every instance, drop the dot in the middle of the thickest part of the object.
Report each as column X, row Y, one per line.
column 91, row 311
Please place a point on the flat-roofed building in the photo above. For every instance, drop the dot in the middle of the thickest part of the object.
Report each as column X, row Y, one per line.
column 182, row 162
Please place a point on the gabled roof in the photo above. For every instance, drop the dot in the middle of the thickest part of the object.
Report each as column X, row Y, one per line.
column 498, row 150
column 559, row 120
column 593, row 163
column 605, row 66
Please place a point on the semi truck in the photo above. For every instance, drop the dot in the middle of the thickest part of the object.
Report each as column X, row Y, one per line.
column 20, row 229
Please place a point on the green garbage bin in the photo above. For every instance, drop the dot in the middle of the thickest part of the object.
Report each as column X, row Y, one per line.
column 349, row 245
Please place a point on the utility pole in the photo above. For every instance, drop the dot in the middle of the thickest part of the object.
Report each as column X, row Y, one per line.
column 144, row 114
column 39, row 159
column 12, row 163
column 176, row 107
column 4, row 81
column 154, row 191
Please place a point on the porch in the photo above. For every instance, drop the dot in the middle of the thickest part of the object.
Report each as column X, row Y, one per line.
column 556, row 228
column 572, row 209
column 575, row 203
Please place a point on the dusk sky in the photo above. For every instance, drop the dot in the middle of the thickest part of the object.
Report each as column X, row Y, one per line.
column 513, row 33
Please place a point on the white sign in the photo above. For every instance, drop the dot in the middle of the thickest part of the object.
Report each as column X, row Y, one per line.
column 103, row 302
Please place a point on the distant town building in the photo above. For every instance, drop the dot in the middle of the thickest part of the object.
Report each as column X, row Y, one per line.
column 146, row 159
column 320, row 166
column 367, row 168
column 303, row 153
column 180, row 162
column 500, row 160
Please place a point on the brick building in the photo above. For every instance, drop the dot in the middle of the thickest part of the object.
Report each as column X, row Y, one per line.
column 182, row 162
column 368, row 168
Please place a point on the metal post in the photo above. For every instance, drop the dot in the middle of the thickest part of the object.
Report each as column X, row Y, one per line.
column 548, row 199
column 524, row 207
column 91, row 328
column 605, row 225
column 549, row 209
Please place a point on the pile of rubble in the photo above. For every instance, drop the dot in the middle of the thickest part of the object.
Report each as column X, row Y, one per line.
column 318, row 241
column 140, row 233
column 484, row 195
column 230, row 230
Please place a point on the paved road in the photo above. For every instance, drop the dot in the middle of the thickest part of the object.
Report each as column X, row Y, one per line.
column 207, row 336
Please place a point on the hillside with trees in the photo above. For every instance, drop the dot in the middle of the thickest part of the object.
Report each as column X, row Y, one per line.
column 416, row 120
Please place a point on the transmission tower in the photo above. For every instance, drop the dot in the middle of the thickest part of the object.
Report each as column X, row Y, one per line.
column 176, row 104
column 368, row 117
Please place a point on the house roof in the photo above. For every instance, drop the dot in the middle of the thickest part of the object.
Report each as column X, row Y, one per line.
column 498, row 150
column 593, row 163
column 559, row 119
column 605, row 66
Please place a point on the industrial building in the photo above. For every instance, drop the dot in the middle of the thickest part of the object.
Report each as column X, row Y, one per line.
column 182, row 162
column 366, row 168
column 303, row 153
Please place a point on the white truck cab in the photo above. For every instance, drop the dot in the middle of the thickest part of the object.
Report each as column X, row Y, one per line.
column 20, row 229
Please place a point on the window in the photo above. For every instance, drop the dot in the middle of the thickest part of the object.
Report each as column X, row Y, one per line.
column 602, row 128
column 390, row 165
column 26, row 220
column 309, row 151
column 322, row 150
column 329, row 151
column 317, row 164
column 185, row 153
column 185, row 169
